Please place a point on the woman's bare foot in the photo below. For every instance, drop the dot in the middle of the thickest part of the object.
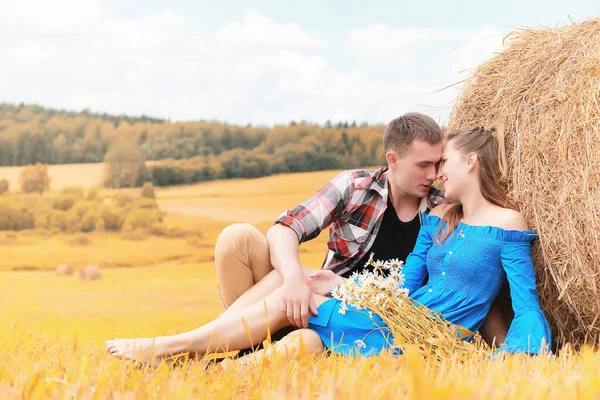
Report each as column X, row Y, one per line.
column 142, row 349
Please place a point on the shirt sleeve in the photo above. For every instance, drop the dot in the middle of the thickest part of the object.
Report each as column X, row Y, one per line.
column 309, row 218
column 435, row 197
column 529, row 331
column 415, row 268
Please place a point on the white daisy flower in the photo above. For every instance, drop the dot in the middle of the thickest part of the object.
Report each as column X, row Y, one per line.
column 379, row 265
column 397, row 277
column 394, row 264
column 355, row 275
column 336, row 293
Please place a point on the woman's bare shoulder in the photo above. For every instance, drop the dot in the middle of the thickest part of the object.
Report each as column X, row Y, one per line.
column 511, row 220
column 440, row 210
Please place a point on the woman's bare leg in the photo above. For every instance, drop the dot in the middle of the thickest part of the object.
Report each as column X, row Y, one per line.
column 227, row 333
column 300, row 341
column 267, row 285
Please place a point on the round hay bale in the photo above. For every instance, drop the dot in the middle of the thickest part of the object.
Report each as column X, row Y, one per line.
column 545, row 88
column 90, row 273
column 64, row 270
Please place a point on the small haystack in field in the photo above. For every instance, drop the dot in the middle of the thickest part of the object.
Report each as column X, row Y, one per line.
column 90, row 273
column 64, row 270
column 545, row 88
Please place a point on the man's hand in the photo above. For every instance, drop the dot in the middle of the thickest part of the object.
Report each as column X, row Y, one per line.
column 321, row 282
column 297, row 301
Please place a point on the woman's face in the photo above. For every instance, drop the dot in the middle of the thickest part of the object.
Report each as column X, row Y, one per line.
column 453, row 171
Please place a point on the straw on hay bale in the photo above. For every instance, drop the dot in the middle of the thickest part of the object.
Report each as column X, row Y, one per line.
column 545, row 88
column 90, row 273
column 64, row 270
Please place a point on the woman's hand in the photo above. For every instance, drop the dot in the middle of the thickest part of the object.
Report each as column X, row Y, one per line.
column 322, row 281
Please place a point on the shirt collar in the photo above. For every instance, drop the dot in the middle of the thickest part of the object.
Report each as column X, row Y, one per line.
column 376, row 181
column 379, row 183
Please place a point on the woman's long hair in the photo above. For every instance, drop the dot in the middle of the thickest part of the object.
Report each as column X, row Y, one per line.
column 488, row 144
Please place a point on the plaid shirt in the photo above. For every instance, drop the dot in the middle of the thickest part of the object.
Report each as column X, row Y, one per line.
column 352, row 204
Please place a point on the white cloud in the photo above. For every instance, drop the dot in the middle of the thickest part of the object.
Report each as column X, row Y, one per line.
column 252, row 70
column 460, row 61
column 383, row 40
column 259, row 29
column 474, row 48
column 50, row 17
column 434, row 57
column 148, row 32
column 31, row 52
column 156, row 65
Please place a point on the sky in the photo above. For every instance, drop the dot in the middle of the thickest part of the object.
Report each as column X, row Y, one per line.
column 260, row 62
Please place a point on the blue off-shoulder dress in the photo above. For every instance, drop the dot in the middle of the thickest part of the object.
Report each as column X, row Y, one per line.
column 466, row 273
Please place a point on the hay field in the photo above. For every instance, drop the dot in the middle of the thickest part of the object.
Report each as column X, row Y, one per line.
column 245, row 200
column 53, row 328
column 63, row 176
column 204, row 208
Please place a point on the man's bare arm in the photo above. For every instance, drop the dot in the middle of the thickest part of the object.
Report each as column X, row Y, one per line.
column 304, row 223
column 297, row 300
column 284, row 251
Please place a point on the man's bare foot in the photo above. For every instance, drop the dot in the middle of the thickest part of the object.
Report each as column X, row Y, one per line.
column 143, row 349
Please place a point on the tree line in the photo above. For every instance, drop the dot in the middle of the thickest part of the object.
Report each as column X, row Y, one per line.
column 141, row 149
column 284, row 151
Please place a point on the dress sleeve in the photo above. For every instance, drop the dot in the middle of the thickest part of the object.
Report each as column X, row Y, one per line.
column 415, row 268
column 529, row 331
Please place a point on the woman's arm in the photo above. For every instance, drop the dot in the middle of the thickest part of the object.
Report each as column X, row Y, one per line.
column 415, row 267
column 529, row 331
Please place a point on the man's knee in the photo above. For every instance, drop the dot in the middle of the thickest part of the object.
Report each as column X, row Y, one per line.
column 234, row 233
column 241, row 241
column 234, row 230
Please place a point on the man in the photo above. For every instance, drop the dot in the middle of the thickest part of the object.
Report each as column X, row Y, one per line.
column 367, row 212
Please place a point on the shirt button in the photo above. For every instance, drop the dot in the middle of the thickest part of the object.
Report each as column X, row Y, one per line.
column 450, row 252
column 462, row 235
column 443, row 273
column 430, row 290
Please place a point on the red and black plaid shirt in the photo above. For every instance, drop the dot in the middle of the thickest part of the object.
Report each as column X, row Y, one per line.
column 352, row 205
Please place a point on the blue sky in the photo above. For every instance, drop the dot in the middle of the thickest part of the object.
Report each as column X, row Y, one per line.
column 264, row 62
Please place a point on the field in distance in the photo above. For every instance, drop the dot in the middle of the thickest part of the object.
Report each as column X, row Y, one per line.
column 205, row 208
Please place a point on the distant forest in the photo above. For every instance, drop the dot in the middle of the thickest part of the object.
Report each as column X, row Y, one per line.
column 140, row 149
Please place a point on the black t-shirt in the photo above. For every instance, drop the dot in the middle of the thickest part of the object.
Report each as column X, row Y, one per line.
column 395, row 239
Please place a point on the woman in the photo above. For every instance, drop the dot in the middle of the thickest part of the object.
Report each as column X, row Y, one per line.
column 466, row 248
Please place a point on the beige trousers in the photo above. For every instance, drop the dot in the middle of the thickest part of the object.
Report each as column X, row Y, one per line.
column 241, row 259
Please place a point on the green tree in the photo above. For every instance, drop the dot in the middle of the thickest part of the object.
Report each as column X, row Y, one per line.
column 35, row 178
column 124, row 164
column 148, row 190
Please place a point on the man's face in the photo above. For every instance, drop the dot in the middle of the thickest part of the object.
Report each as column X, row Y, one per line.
column 414, row 172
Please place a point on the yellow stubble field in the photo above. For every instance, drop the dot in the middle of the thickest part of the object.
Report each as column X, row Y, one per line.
column 53, row 329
